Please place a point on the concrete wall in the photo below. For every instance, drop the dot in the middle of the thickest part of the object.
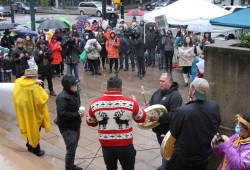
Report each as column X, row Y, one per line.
column 227, row 69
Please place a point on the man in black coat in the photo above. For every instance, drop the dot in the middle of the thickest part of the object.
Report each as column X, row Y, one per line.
column 69, row 118
column 139, row 53
column 169, row 96
column 20, row 57
column 194, row 126
column 43, row 58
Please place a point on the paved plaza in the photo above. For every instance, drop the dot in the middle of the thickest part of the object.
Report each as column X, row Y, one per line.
column 89, row 154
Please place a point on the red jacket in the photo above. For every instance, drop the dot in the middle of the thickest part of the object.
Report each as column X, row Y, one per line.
column 112, row 47
column 114, row 114
column 56, row 49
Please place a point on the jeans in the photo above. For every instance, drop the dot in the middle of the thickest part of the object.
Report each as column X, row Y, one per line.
column 125, row 155
column 164, row 162
column 169, row 60
column 70, row 68
column 141, row 65
column 113, row 60
column 151, row 56
column 132, row 59
column 121, row 58
column 162, row 58
column 70, row 138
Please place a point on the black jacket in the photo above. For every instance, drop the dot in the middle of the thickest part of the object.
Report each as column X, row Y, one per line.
column 171, row 99
column 139, row 47
column 43, row 60
column 67, row 111
column 194, row 125
column 151, row 39
column 21, row 64
column 73, row 54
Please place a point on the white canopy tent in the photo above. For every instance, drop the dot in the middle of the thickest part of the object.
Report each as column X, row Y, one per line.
column 196, row 13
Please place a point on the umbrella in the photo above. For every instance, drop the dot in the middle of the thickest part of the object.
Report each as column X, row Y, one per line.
column 6, row 26
column 52, row 24
column 22, row 30
column 81, row 24
column 135, row 12
column 65, row 21
column 82, row 17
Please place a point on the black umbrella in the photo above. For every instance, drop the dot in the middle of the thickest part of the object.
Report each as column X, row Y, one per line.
column 82, row 17
column 6, row 26
column 52, row 24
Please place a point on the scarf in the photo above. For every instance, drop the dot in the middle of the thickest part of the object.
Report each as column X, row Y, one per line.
column 236, row 143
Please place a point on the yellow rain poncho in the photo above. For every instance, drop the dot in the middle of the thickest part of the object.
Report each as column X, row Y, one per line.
column 30, row 101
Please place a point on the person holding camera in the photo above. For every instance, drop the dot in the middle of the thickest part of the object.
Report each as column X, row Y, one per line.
column 20, row 58
column 236, row 149
column 43, row 58
column 194, row 126
column 93, row 48
column 73, row 56
column 139, row 53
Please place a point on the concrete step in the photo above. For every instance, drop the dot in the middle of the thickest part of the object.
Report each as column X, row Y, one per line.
column 13, row 156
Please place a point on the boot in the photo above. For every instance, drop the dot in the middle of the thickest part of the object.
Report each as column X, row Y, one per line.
column 185, row 76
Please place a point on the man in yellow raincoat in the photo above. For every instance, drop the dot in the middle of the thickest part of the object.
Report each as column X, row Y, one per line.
column 30, row 101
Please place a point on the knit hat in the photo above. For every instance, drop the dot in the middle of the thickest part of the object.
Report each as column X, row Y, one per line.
column 201, row 87
column 200, row 66
column 19, row 40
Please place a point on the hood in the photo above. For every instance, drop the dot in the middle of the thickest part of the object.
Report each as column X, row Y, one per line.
column 68, row 81
column 25, row 82
column 175, row 86
column 112, row 32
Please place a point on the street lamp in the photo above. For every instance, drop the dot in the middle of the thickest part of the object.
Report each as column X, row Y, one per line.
column 12, row 12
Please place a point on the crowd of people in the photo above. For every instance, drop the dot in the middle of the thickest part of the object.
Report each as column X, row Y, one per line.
column 194, row 125
column 132, row 44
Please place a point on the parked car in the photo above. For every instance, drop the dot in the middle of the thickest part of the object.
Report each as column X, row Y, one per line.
column 23, row 7
column 233, row 8
column 215, row 1
column 92, row 8
column 150, row 5
column 4, row 12
column 162, row 3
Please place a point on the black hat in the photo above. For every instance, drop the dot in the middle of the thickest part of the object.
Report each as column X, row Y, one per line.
column 68, row 81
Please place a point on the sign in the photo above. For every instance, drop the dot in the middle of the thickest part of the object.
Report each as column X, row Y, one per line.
column 161, row 21
column 117, row 1
column 186, row 56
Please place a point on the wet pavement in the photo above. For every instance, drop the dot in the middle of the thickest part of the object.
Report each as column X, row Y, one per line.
column 13, row 151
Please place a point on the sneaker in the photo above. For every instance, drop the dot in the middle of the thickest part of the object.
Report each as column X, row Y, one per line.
column 52, row 93
column 75, row 167
column 126, row 69
column 98, row 73
column 133, row 69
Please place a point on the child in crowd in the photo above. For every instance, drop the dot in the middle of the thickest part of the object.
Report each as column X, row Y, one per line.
column 7, row 67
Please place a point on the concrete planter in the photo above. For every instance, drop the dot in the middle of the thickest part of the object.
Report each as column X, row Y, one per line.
column 227, row 69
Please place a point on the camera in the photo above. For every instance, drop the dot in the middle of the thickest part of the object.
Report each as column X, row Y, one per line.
column 219, row 139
